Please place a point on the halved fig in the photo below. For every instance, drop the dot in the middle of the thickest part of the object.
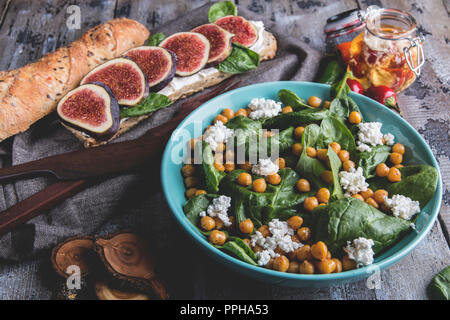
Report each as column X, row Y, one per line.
column 93, row 108
column 124, row 77
column 158, row 65
column 219, row 40
column 191, row 49
column 244, row 31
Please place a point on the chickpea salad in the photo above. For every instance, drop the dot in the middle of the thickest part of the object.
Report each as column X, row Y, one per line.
column 303, row 186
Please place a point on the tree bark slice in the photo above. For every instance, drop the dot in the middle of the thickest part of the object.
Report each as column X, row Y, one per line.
column 77, row 251
column 104, row 292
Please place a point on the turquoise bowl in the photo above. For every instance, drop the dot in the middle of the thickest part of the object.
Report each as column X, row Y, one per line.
column 417, row 152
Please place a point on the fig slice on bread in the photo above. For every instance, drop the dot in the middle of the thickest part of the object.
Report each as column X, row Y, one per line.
column 191, row 49
column 92, row 108
column 219, row 40
column 124, row 77
column 245, row 33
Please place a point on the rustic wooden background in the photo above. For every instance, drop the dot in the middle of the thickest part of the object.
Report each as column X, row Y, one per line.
column 29, row 29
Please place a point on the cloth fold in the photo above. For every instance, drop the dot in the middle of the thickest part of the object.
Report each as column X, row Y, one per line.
column 130, row 201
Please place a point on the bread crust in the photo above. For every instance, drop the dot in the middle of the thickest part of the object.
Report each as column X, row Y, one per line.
column 29, row 93
column 268, row 52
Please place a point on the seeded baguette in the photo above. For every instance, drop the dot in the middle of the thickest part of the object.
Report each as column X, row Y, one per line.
column 268, row 52
column 29, row 93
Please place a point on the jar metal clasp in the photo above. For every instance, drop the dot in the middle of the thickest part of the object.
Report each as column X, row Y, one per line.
column 420, row 57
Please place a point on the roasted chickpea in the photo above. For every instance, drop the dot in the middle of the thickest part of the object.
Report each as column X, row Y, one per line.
column 190, row 182
column 306, row 267
column 319, row 250
column 218, row 158
column 311, row 152
column 367, row 194
column 232, row 222
column 297, row 149
column 199, row 192
column 207, row 223
column 257, row 249
column 294, row 238
column 326, row 266
column 344, row 155
column 382, row 170
column 273, row 179
column 398, row 166
column 314, row 101
column 229, row 166
column 322, row 154
column 336, row 147
column 188, row 170
column 358, row 196
column 190, row 192
column 323, row 195
column 281, row 264
column 354, row 117
column 259, row 185
column 303, row 185
column 295, row 222
column 217, row 237
column 293, row 267
column 245, row 166
column 380, row 195
column 286, row 110
column 326, row 104
column 338, row 265
column 264, row 229
column 304, row 253
column 281, row 163
column 219, row 223
column 398, row 148
column 246, row 226
column 247, row 242
column 372, row 202
column 241, row 112
column 396, row 158
column 348, row 165
column 304, row 234
column 244, row 179
column 228, row 113
column 348, row 264
column 269, row 265
column 327, row 176
column 229, row 156
column 219, row 167
column 310, row 203
column 328, row 254
column 298, row 132
column 322, row 204
column 220, row 118
column 394, row 175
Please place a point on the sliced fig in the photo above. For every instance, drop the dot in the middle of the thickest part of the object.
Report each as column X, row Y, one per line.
column 158, row 65
column 124, row 77
column 219, row 40
column 244, row 31
column 191, row 49
column 93, row 108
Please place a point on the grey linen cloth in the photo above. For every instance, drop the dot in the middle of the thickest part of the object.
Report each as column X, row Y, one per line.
column 130, row 201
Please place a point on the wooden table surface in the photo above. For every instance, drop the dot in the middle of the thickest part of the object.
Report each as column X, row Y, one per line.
column 29, row 29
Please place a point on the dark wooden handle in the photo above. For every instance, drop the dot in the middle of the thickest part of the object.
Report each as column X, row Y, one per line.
column 38, row 203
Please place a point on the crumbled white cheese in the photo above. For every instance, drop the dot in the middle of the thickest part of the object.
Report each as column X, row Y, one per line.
column 402, row 206
column 281, row 237
column 413, row 226
column 362, row 147
column 265, row 167
column 219, row 208
column 264, row 108
column 216, row 134
column 389, row 138
column 353, row 181
column 360, row 251
column 202, row 214
column 370, row 133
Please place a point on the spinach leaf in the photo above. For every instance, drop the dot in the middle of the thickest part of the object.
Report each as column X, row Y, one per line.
column 244, row 129
column 195, row 205
column 280, row 201
column 155, row 39
column 342, row 107
column 332, row 129
column 418, row 182
column 340, row 89
column 289, row 98
column 369, row 161
column 152, row 103
column 236, row 250
column 295, row 119
column 335, row 164
column 221, row 9
column 240, row 60
column 210, row 175
column 439, row 288
column 244, row 246
column 349, row 218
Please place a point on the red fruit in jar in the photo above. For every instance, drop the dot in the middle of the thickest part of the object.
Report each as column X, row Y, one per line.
column 355, row 86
